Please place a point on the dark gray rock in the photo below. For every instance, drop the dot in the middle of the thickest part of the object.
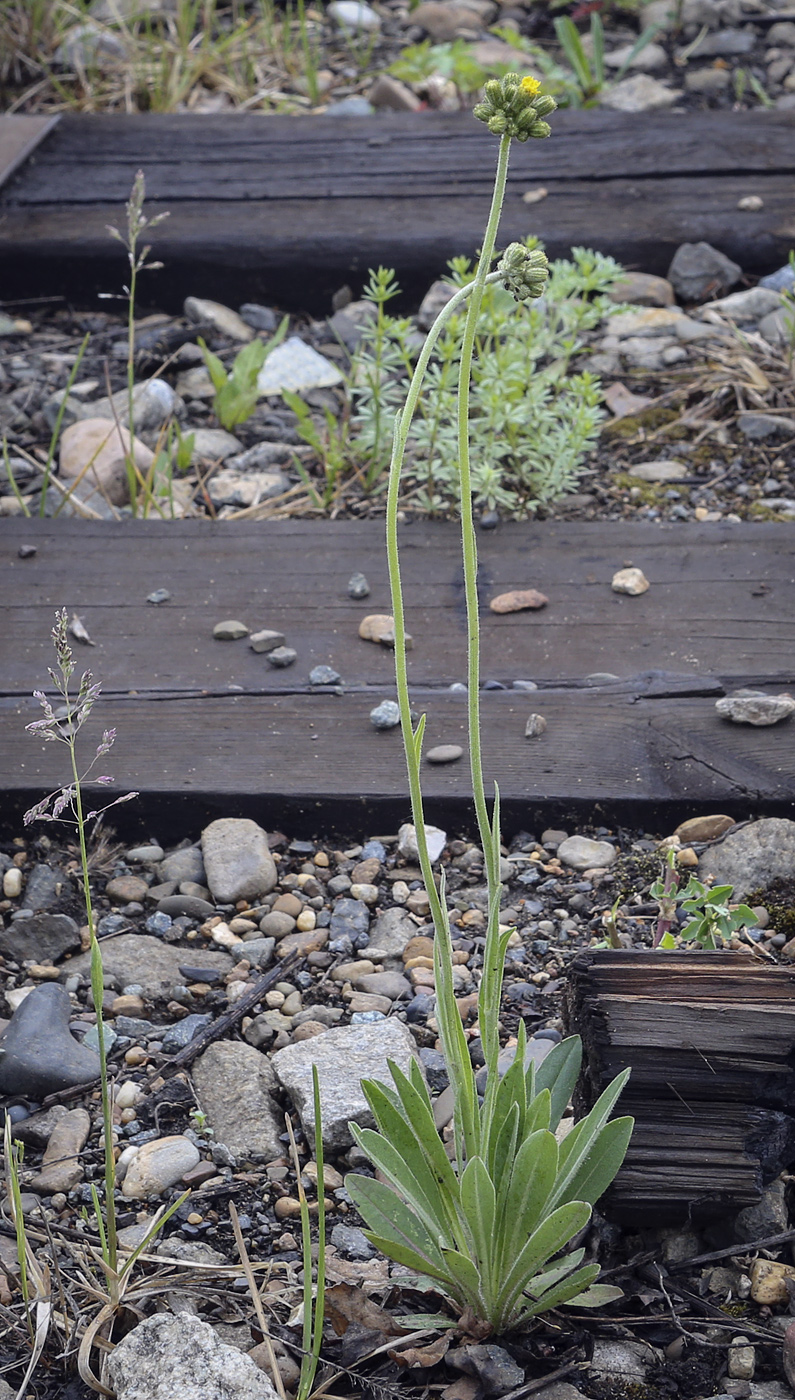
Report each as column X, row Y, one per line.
column 176, row 904
column 42, row 938
column 38, row 1056
column 184, row 1031
column 352, row 1242
column 700, row 272
column 44, row 889
column 494, row 1367
column 350, row 918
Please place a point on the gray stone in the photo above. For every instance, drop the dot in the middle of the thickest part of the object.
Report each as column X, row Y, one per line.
column 282, row 656
column 758, row 426
column 560, row 1390
column 186, row 864
column 407, row 842
column 640, row 93
column 42, row 938
column 783, row 279
column 60, row 1167
column 350, row 918
column 391, row 931
column 296, row 366
column 277, row 924
column 354, row 16
column 777, row 326
column 257, row 951
column 225, row 320
column 352, row 1242
column 444, row 753
column 187, row 904
column 38, row 1056
column 159, row 1164
column 230, row 630
column 751, row 857
column 237, row 861
column 343, row 1057
column 494, row 1367
column 324, row 675
column 358, row 587
column 154, row 402
column 748, row 305
column 180, row 1357
column 154, row 966
column 434, row 301
column 725, row 43
column 44, row 888
column 263, row 456
column 627, row 1362
column 651, row 59
column 266, row 640
column 768, row 1217
column 183, row 1032
column 698, row 271
column 214, row 444
column 755, row 707
column 235, row 1085
column 234, row 488
column 386, row 715
column 708, row 80
column 260, row 318
column 384, row 984
column 582, row 853
column 145, row 854
column 662, row 469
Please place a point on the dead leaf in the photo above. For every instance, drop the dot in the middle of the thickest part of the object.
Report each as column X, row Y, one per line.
column 346, row 1305
column 412, row 1358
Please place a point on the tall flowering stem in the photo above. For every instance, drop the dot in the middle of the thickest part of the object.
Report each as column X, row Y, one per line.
column 66, row 804
column 513, row 108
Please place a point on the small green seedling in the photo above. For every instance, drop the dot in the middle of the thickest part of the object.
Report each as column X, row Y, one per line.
column 236, row 391
column 713, row 919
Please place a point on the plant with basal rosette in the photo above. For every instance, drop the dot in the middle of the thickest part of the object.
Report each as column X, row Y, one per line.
column 491, row 1226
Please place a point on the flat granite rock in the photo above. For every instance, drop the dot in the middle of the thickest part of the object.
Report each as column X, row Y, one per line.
column 152, row 965
column 344, row 1056
column 235, row 1085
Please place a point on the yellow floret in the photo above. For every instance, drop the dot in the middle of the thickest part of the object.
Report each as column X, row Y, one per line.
column 531, row 86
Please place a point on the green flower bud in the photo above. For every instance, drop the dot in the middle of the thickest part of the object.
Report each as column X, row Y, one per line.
column 514, row 106
column 524, row 271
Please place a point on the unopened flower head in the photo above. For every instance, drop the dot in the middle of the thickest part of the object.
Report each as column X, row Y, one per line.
column 524, row 271
column 515, row 106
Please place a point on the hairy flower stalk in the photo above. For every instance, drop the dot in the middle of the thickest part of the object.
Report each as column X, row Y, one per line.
column 489, row 1230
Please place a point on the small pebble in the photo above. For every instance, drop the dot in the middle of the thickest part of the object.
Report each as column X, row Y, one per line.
column 282, row 656
column 230, row 631
column 266, row 640
column 12, row 883
column 631, row 581
column 444, row 753
column 536, row 725
column 160, row 595
column 386, row 715
column 324, row 675
column 358, row 587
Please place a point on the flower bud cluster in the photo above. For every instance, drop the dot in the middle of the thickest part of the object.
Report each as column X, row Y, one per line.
column 515, row 107
column 524, row 271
